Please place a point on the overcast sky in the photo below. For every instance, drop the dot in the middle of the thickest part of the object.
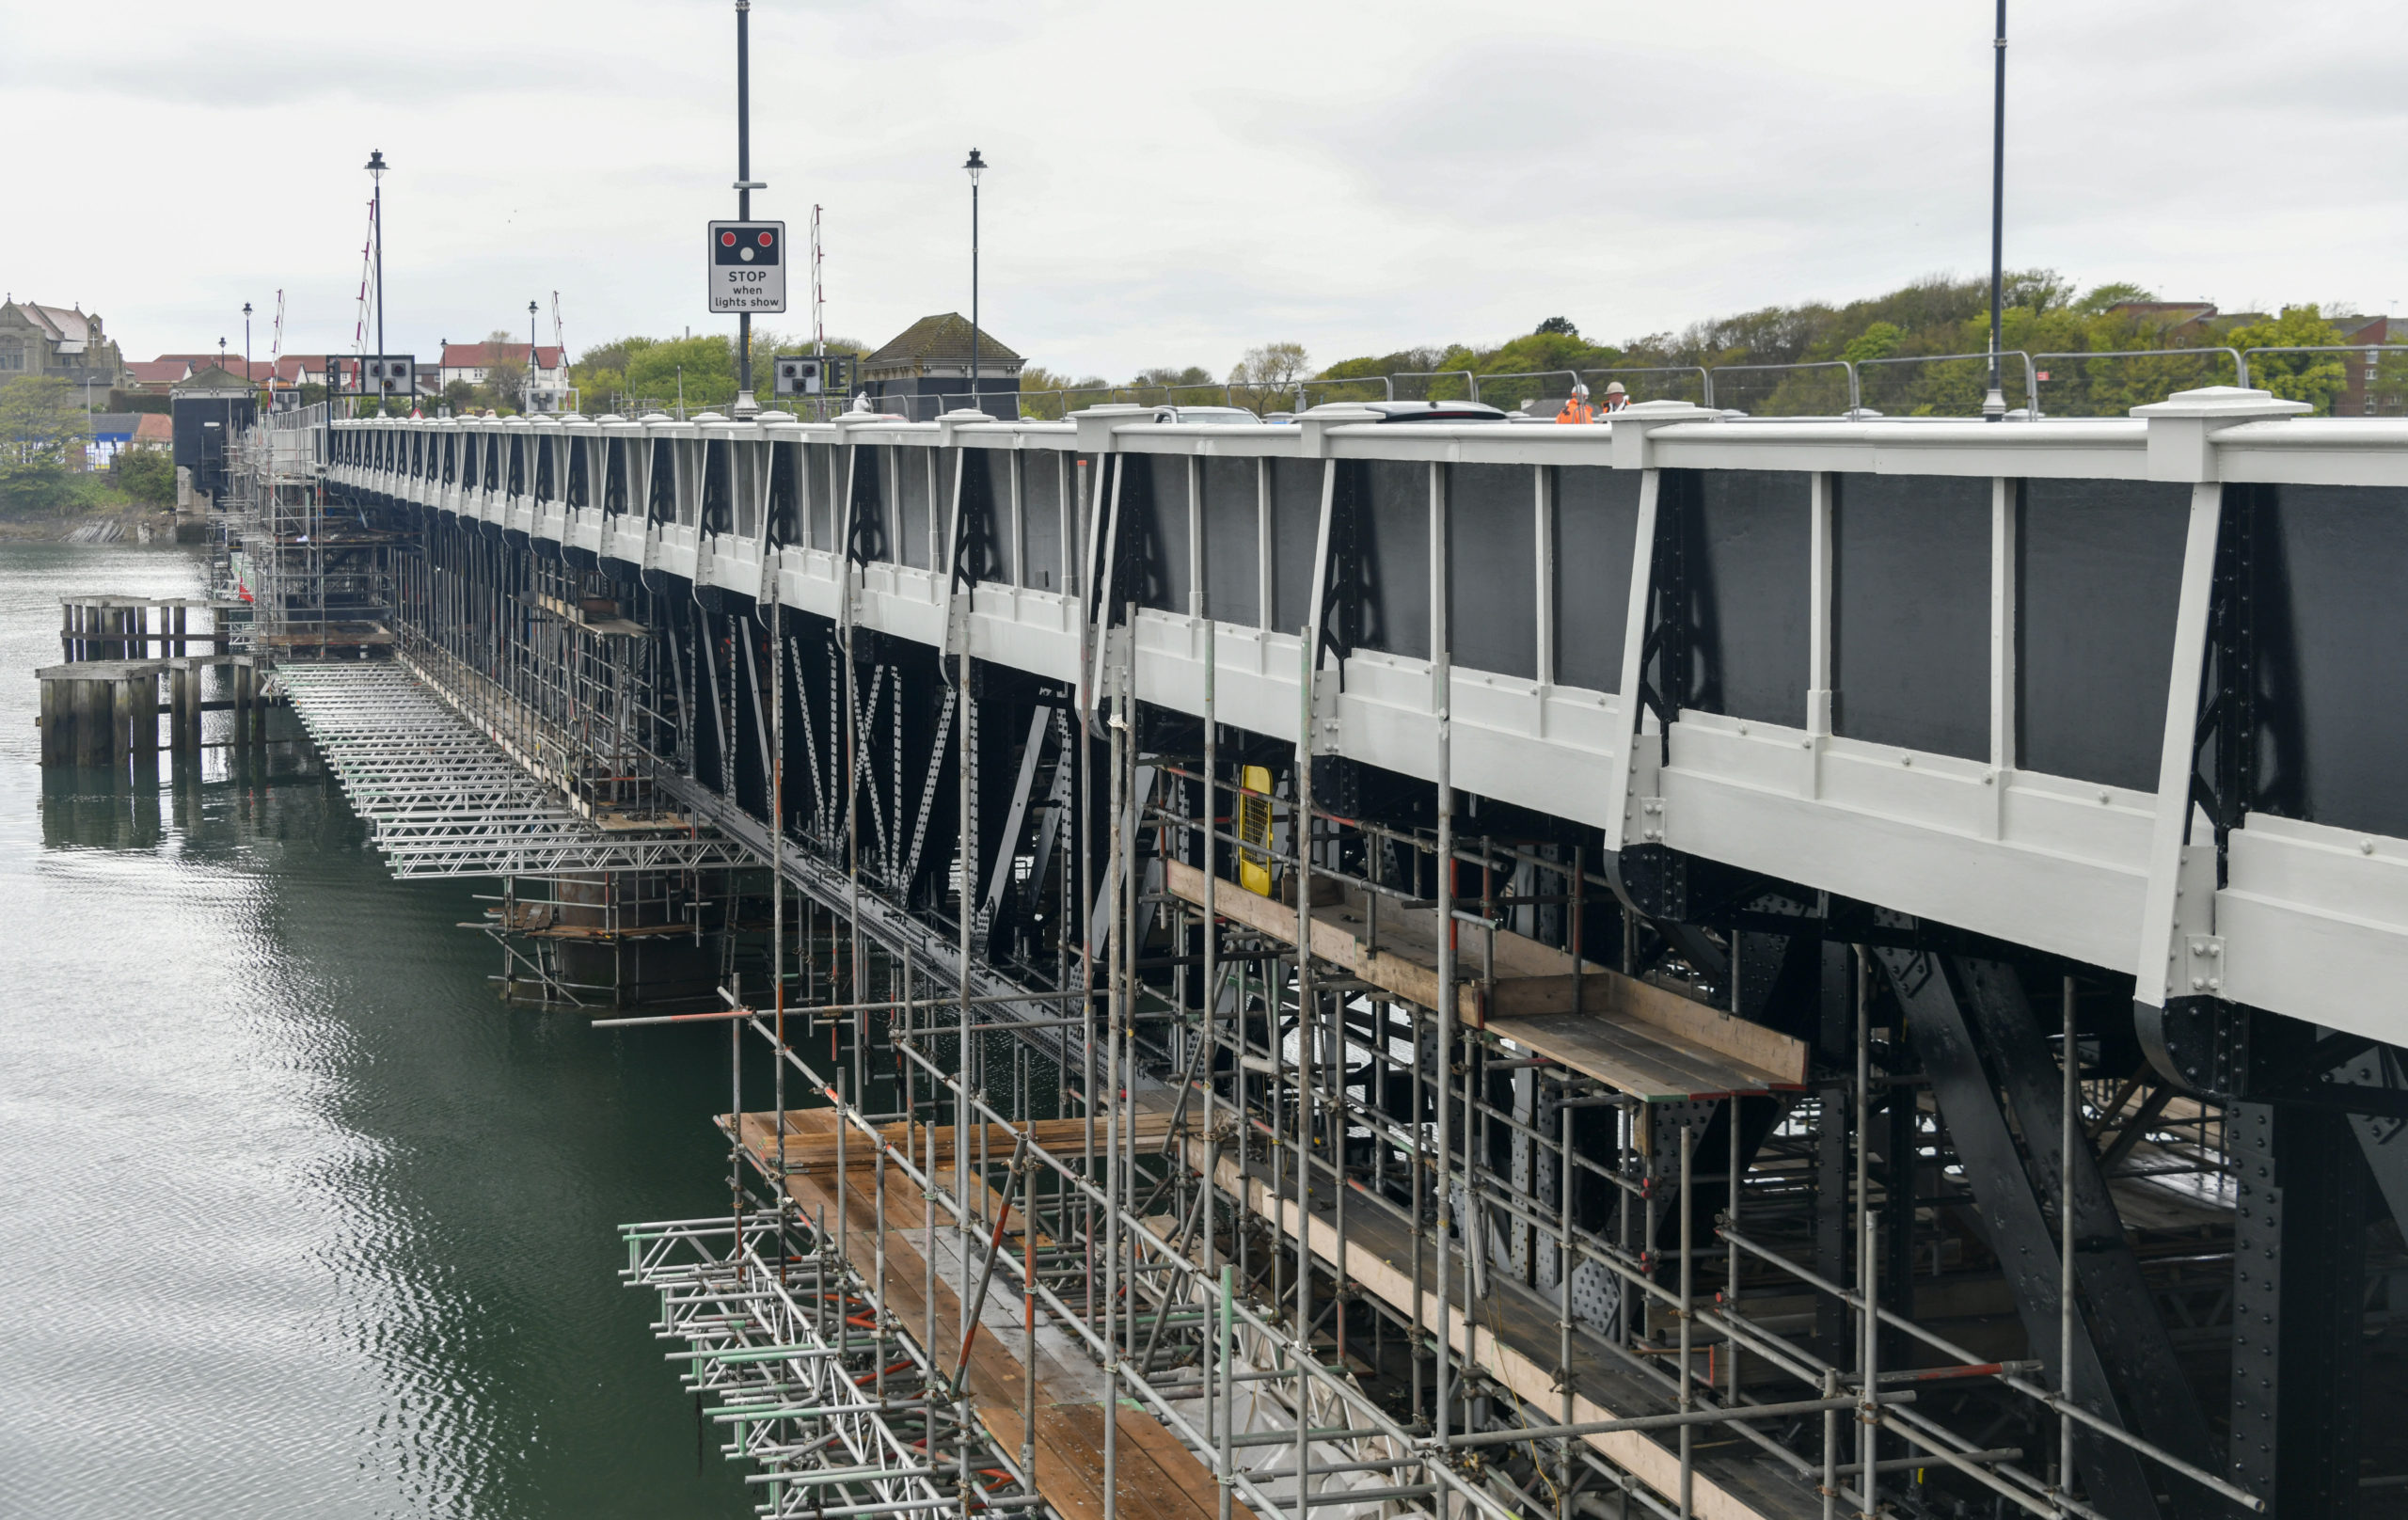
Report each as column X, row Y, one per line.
column 1172, row 185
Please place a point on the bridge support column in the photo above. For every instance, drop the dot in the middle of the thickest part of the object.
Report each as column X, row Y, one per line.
column 2299, row 1283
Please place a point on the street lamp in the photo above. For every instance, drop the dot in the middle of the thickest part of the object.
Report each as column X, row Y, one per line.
column 1994, row 404
column 975, row 167
column 246, row 340
column 376, row 219
column 527, row 398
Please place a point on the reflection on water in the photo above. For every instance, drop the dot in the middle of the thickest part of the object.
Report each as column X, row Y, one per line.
column 298, row 1220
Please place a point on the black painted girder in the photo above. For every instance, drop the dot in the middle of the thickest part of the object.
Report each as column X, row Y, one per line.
column 2299, row 1283
column 2132, row 1337
column 1928, row 987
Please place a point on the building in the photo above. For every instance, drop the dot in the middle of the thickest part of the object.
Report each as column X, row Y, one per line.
column 57, row 342
column 156, row 377
column 111, row 431
column 209, row 409
column 2170, row 318
column 925, row 370
column 544, row 369
column 2363, row 394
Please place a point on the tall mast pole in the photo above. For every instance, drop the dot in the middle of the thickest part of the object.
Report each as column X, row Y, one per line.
column 745, row 406
column 1994, row 404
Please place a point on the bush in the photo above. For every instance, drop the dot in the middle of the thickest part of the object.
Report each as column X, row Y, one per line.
column 149, row 475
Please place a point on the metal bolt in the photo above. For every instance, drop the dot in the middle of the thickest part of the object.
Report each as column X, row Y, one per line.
column 2198, row 984
column 2366, row 846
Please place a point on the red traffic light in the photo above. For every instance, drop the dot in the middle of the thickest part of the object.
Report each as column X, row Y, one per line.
column 764, row 240
column 727, row 240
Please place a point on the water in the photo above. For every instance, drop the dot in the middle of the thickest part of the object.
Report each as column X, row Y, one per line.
column 296, row 1219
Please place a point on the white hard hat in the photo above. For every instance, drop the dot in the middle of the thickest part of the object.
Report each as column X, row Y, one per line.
column 1580, row 389
column 1614, row 388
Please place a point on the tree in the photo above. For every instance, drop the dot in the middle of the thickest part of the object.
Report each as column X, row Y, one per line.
column 2115, row 292
column 461, row 396
column 704, row 367
column 1163, row 376
column 41, row 434
column 1266, row 378
column 2315, row 378
column 1557, row 324
column 505, row 377
column 148, row 474
column 1878, row 341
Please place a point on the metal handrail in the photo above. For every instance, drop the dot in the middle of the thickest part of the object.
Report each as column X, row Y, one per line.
column 1539, row 374
column 1470, row 378
column 2327, row 348
column 2030, row 381
column 2240, row 365
column 2368, row 349
column 1706, row 376
column 1803, row 364
column 1385, row 381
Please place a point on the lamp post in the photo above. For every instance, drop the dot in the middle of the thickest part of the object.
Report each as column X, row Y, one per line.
column 976, row 167
column 1994, row 404
column 376, row 222
column 745, row 184
column 527, row 395
column 246, row 341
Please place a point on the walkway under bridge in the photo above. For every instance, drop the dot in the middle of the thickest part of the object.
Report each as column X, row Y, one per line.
column 1521, row 969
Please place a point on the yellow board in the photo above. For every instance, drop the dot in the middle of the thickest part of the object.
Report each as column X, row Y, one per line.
column 1254, row 827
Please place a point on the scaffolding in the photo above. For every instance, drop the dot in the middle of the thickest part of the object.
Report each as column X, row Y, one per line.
column 1349, row 1143
column 318, row 578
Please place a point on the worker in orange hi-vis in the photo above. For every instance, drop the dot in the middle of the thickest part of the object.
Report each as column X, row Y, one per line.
column 1616, row 397
column 1577, row 409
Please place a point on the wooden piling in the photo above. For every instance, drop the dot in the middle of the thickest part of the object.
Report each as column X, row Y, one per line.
column 91, row 722
column 56, row 730
column 180, row 708
column 135, row 725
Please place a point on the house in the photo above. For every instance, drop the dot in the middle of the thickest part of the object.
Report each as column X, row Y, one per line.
column 543, row 370
column 59, row 343
column 925, row 370
column 2360, row 391
column 155, row 377
column 111, row 431
column 2170, row 318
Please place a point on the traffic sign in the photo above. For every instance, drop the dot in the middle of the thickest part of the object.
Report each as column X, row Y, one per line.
column 748, row 266
column 811, row 375
column 386, row 374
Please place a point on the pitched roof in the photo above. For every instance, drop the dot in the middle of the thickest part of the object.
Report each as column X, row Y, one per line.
column 943, row 340
column 2173, row 312
column 209, row 361
column 484, row 356
column 116, row 424
column 156, row 427
column 158, row 371
column 212, row 381
column 70, row 328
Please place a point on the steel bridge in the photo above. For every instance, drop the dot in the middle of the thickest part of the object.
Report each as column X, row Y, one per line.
column 1694, row 966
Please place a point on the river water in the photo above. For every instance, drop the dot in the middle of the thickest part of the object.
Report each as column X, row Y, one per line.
column 295, row 1217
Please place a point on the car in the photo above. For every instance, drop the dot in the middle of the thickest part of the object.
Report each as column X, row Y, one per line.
column 1407, row 411
column 1221, row 416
